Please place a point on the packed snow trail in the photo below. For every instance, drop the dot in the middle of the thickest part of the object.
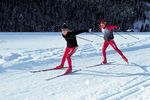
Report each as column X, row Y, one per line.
column 114, row 81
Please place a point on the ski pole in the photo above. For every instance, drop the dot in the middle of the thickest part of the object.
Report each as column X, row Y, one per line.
column 84, row 39
column 121, row 35
column 132, row 36
column 95, row 34
column 92, row 42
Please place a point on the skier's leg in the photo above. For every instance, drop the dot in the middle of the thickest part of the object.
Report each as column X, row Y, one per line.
column 113, row 44
column 105, row 45
column 70, row 53
column 63, row 59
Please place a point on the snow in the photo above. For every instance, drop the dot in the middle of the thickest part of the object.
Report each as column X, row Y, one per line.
column 22, row 52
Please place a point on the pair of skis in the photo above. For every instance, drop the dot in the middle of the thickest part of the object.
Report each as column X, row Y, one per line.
column 60, row 75
column 43, row 70
column 50, row 69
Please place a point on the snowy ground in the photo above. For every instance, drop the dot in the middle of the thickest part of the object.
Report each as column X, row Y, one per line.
column 20, row 53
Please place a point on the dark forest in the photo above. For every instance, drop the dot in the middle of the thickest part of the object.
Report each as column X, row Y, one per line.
column 49, row 15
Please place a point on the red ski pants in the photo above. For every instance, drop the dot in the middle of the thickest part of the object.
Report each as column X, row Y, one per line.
column 113, row 44
column 67, row 55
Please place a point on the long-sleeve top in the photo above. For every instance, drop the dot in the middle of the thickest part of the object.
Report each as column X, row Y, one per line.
column 108, row 34
column 70, row 38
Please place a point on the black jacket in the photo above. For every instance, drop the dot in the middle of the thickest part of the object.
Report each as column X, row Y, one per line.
column 70, row 37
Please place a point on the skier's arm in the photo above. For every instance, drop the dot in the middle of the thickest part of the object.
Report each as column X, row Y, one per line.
column 111, row 27
column 80, row 31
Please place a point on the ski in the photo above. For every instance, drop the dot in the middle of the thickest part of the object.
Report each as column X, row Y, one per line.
column 98, row 65
column 55, row 77
column 48, row 69
column 60, row 75
column 94, row 65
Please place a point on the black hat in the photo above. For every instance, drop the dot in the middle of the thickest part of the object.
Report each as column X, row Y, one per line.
column 64, row 26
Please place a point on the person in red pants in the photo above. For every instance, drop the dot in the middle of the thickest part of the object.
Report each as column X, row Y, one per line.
column 109, row 40
column 72, row 45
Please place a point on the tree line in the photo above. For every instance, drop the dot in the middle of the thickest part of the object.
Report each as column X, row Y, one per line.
column 49, row 15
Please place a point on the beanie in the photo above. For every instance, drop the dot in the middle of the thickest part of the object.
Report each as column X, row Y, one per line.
column 64, row 26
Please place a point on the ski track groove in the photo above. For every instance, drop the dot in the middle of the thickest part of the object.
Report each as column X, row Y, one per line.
column 127, row 91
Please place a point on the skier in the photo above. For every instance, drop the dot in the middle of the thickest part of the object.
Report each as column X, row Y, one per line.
column 109, row 40
column 72, row 45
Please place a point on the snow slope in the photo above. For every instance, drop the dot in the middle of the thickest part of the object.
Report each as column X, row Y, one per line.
column 21, row 53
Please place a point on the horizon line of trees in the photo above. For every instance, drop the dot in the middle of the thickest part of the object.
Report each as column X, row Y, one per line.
column 49, row 15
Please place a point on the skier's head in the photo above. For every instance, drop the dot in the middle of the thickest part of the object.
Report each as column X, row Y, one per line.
column 103, row 23
column 64, row 28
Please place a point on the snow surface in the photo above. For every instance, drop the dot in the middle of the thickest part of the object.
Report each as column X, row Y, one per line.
column 21, row 53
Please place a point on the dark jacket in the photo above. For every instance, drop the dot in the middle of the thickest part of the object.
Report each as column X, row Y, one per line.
column 70, row 38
